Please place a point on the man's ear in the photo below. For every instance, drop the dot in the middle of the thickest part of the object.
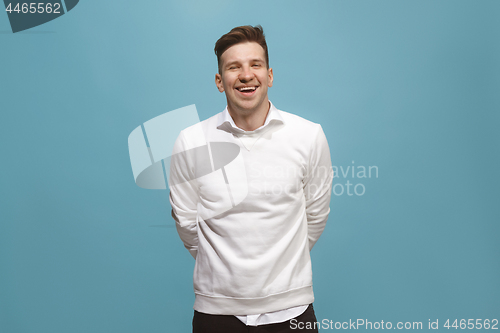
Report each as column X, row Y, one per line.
column 270, row 74
column 218, row 82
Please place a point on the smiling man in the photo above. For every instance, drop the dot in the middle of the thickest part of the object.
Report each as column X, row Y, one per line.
column 244, row 76
column 253, row 266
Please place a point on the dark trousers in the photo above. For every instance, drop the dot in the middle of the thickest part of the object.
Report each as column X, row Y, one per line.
column 208, row 323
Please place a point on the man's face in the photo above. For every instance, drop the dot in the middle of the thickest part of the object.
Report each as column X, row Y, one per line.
column 244, row 77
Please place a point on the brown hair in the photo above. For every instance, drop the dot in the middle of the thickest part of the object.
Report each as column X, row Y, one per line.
column 242, row 34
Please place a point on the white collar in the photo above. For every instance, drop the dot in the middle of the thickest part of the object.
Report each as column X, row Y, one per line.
column 226, row 122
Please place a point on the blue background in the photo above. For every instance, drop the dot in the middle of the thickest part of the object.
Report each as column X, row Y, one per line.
column 411, row 87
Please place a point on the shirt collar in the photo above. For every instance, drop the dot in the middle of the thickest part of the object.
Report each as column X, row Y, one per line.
column 226, row 122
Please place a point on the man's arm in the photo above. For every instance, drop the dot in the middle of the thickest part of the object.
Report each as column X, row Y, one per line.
column 318, row 187
column 184, row 196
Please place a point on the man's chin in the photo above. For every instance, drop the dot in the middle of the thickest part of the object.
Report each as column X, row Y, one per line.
column 246, row 107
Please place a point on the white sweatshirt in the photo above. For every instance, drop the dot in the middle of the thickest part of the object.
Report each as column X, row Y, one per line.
column 249, row 206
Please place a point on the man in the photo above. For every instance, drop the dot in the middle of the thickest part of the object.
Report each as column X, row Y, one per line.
column 252, row 215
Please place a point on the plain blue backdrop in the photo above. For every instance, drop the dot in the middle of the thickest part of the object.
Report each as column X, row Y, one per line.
column 411, row 87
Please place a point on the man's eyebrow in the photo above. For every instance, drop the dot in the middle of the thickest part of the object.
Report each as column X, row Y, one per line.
column 237, row 61
column 232, row 63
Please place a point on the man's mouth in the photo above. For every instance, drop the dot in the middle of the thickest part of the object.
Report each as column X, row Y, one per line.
column 247, row 90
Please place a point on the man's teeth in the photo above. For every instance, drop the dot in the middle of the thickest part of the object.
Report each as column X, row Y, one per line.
column 247, row 89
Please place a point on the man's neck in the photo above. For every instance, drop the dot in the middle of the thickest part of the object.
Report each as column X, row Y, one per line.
column 250, row 120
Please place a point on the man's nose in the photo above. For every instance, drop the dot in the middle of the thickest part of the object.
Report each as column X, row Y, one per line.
column 246, row 74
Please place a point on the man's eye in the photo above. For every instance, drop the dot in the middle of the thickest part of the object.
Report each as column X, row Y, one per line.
column 256, row 65
column 232, row 67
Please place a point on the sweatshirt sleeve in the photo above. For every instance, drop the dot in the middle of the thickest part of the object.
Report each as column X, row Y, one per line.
column 184, row 195
column 318, row 187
